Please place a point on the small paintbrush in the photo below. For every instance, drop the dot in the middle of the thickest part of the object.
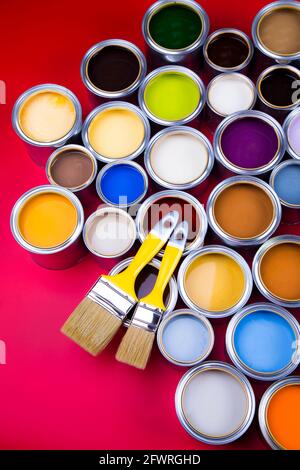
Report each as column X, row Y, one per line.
column 136, row 345
column 100, row 314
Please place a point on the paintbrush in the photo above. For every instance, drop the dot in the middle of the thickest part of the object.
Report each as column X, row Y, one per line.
column 136, row 345
column 100, row 314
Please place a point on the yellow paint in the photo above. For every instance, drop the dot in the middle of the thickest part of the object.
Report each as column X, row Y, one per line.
column 214, row 282
column 116, row 133
column 47, row 116
column 47, row 220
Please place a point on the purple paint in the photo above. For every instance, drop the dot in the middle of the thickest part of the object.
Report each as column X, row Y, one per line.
column 249, row 143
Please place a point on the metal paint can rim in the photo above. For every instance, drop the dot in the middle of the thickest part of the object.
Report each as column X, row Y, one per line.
column 179, row 129
column 263, row 376
column 179, row 312
column 119, row 105
column 225, row 251
column 266, row 72
column 120, row 93
column 286, row 125
column 238, row 375
column 273, row 176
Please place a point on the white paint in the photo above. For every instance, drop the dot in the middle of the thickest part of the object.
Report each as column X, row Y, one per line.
column 215, row 403
column 229, row 93
column 110, row 232
column 179, row 157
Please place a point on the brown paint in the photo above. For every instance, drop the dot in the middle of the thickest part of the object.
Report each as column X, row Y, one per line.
column 280, row 271
column 243, row 210
column 71, row 169
column 279, row 30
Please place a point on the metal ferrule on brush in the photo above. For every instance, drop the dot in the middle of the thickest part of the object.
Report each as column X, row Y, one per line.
column 147, row 317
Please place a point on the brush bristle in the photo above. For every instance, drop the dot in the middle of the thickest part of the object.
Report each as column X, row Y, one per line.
column 91, row 326
column 135, row 347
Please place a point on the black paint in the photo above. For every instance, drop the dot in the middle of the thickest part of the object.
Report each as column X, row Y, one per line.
column 228, row 50
column 277, row 87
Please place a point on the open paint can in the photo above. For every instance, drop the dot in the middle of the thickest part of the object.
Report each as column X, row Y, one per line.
column 116, row 131
column 122, row 184
column 276, row 270
column 228, row 50
column 172, row 95
column 249, row 143
column 291, row 128
column 215, row 281
column 185, row 338
column 243, row 211
column 277, row 90
column 109, row 232
column 47, row 221
column 189, row 209
column 179, row 157
column 276, row 31
column 215, row 403
column 263, row 340
column 175, row 31
column 285, row 180
column 45, row 117
column 113, row 69
column 145, row 282
column 279, row 414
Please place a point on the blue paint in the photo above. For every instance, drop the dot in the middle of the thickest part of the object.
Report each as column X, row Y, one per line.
column 122, row 184
column 264, row 341
column 287, row 184
column 185, row 338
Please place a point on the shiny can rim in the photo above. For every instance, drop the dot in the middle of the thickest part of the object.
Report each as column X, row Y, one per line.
column 261, row 78
column 273, row 176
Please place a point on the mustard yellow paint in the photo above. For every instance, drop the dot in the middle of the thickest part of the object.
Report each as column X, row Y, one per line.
column 116, row 133
column 47, row 116
column 47, row 220
column 214, row 282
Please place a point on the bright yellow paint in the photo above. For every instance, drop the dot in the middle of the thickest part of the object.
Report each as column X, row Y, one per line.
column 214, row 282
column 116, row 133
column 47, row 220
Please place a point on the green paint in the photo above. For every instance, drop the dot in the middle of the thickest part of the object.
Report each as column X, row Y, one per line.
column 172, row 96
column 175, row 27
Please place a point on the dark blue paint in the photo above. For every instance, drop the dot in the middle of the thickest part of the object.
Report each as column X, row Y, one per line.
column 122, row 184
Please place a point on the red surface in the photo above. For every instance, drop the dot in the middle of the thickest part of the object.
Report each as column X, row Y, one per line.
column 53, row 394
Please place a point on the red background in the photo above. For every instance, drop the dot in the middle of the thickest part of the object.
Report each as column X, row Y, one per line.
column 53, row 394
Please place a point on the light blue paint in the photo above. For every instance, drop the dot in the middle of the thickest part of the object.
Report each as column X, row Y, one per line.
column 264, row 341
column 287, row 184
column 185, row 338
column 122, row 184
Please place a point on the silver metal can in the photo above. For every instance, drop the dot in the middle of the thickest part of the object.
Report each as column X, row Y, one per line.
column 246, row 368
column 187, row 206
column 238, row 395
column 291, row 120
column 243, row 296
column 66, row 253
column 234, row 240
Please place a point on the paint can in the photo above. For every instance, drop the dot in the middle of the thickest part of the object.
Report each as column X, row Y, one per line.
column 291, row 127
column 263, row 341
column 47, row 221
column 188, row 207
column 243, row 211
column 277, row 90
column 174, row 32
column 179, row 157
column 116, row 131
column 276, row 270
column 276, row 31
column 185, row 338
column 279, row 416
column 109, row 232
column 122, row 184
column 227, row 50
column 46, row 117
column 172, row 95
column 145, row 283
column 285, row 180
column 215, row 281
column 73, row 167
column 209, row 420
column 236, row 135
column 113, row 69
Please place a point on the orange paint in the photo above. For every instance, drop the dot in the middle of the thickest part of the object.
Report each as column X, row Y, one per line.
column 283, row 417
